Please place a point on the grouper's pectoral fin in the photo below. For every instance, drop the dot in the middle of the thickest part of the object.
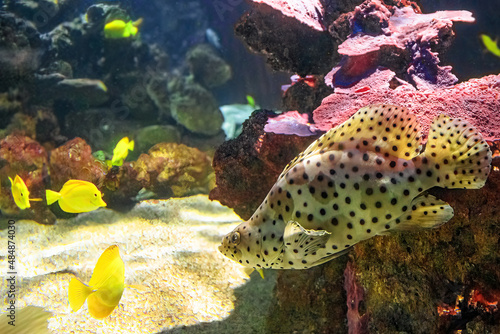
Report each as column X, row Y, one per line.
column 300, row 241
column 426, row 212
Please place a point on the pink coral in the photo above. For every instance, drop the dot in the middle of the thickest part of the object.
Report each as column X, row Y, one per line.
column 401, row 40
column 476, row 100
column 403, row 27
column 290, row 123
column 309, row 12
column 355, row 294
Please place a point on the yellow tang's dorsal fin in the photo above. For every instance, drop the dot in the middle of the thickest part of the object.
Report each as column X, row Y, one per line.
column 380, row 128
column 107, row 265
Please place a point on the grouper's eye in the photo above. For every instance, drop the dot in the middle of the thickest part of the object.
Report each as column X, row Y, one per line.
column 235, row 238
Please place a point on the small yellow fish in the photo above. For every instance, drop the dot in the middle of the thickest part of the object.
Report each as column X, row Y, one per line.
column 491, row 45
column 105, row 288
column 76, row 196
column 21, row 193
column 121, row 29
column 121, row 151
column 365, row 177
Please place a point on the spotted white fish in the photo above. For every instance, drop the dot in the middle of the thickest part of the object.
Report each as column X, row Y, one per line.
column 362, row 178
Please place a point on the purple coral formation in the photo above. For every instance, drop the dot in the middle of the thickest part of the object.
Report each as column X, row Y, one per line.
column 404, row 34
column 290, row 123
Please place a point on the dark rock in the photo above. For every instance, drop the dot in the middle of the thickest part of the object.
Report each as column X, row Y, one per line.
column 195, row 108
column 305, row 97
column 21, row 50
column 248, row 166
column 307, row 51
column 207, row 67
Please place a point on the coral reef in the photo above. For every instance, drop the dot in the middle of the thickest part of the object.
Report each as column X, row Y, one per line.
column 74, row 160
column 20, row 155
column 171, row 169
column 400, row 40
column 88, row 85
column 476, row 100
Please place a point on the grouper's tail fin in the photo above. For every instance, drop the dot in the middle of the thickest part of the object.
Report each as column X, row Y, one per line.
column 460, row 155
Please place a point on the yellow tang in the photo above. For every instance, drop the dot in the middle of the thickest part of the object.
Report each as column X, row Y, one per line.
column 105, row 288
column 120, row 29
column 491, row 45
column 121, row 151
column 21, row 193
column 76, row 196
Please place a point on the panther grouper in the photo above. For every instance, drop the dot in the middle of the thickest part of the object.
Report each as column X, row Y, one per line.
column 362, row 178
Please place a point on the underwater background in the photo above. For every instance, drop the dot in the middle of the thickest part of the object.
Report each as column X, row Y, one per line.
column 161, row 128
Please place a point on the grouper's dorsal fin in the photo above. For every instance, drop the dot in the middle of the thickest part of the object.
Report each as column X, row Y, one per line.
column 380, row 128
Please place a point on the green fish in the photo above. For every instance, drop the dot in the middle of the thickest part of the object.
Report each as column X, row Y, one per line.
column 363, row 178
column 490, row 45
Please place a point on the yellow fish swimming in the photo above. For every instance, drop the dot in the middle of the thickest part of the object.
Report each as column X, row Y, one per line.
column 121, row 29
column 21, row 193
column 491, row 45
column 362, row 178
column 77, row 196
column 105, row 288
column 121, row 151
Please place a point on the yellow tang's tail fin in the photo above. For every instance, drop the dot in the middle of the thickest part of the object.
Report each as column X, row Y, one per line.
column 137, row 22
column 77, row 293
column 460, row 156
column 52, row 196
column 131, row 145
